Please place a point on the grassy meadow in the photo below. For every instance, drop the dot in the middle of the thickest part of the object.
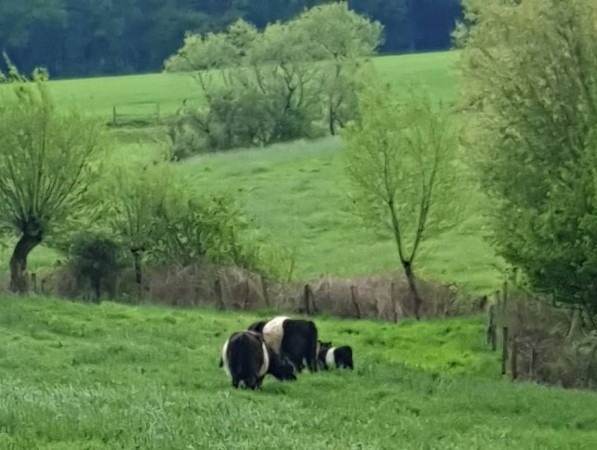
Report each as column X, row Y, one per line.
column 296, row 193
column 81, row 376
column 77, row 376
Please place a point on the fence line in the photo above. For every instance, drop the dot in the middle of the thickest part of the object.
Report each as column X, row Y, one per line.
column 117, row 116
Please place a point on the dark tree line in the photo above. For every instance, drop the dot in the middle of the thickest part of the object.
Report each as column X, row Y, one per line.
column 88, row 37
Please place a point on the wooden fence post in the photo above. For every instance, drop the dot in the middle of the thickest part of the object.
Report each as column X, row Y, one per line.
column 514, row 360
column 395, row 302
column 219, row 294
column 264, row 290
column 246, row 293
column 533, row 363
column 504, row 323
column 491, row 328
column 34, row 282
column 353, row 297
column 504, row 349
column 306, row 299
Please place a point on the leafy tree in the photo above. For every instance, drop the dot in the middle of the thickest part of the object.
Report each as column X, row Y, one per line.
column 402, row 164
column 346, row 38
column 286, row 82
column 528, row 78
column 159, row 220
column 136, row 199
column 47, row 161
column 83, row 37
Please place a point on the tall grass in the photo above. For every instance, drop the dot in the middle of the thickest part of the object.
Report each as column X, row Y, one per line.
column 109, row 376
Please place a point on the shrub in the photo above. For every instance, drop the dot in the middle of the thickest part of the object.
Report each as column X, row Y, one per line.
column 530, row 98
column 160, row 220
column 553, row 345
column 293, row 80
column 98, row 260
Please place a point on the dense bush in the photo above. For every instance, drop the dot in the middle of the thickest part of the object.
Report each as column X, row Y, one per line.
column 293, row 80
column 161, row 221
column 548, row 344
column 531, row 109
column 96, row 260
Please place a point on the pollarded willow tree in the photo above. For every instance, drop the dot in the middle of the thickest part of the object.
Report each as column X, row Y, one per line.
column 48, row 159
column 402, row 162
column 529, row 92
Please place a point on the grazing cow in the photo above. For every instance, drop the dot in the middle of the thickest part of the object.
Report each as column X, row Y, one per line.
column 247, row 358
column 335, row 356
column 295, row 339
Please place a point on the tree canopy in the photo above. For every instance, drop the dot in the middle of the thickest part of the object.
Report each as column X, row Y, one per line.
column 401, row 160
column 82, row 37
column 530, row 100
column 292, row 80
column 48, row 160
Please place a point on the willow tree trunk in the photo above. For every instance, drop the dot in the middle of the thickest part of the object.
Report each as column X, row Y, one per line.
column 412, row 286
column 18, row 263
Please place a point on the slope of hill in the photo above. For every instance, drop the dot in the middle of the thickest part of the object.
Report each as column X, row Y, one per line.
column 296, row 192
column 97, row 377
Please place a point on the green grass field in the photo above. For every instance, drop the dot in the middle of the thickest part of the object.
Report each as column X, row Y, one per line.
column 133, row 92
column 297, row 192
column 77, row 377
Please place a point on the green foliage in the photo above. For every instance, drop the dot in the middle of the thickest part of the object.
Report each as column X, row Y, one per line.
column 82, row 38
column 48, row 160
column 154, row 372
column 275, row 85
column 402, row 162
column 295, row 193
column 97, row 260
column 345, row 34
column 531, row 98
column 214, row 50
column 159, row 220
column 136, row 198
column 346, row 38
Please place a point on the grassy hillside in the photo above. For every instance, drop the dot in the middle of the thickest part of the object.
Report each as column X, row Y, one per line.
column 132, row 93
column 296, row 192
column 102, row 377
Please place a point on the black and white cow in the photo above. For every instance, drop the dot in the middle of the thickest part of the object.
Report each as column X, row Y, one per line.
column 247, row 358
column 257, row 327
column 330, row 356
column 295, row 339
